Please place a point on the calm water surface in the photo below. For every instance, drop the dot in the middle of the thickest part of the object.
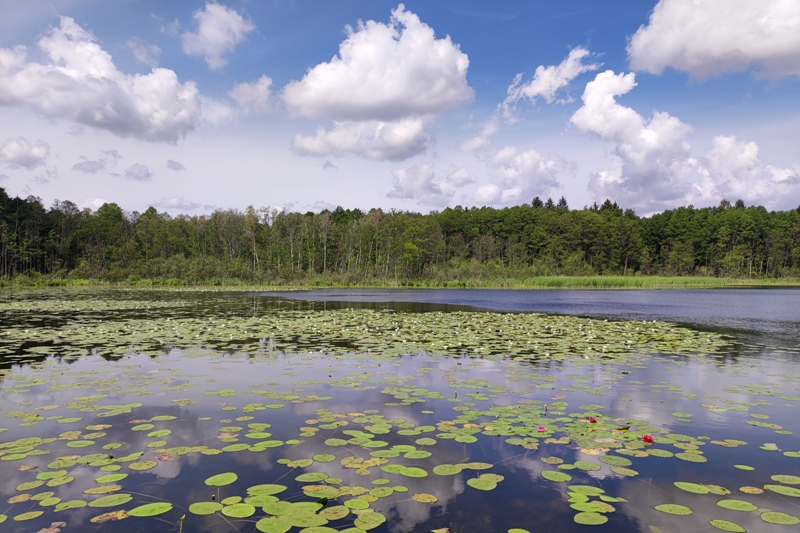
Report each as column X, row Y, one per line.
column 736, row 407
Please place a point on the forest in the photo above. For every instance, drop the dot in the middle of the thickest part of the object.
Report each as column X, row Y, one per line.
column 455, row 245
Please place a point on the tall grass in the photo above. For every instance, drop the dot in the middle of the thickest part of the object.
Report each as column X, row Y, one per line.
column 500, row 282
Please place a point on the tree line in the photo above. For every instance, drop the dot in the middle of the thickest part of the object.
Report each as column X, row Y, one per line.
column 350, row 245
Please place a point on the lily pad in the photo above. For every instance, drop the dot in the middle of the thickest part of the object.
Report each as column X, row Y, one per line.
column 773, row 517
column 205, row 508
column 672, row 508
column 590, row 519
column 151, row 509
column 725, row 525
column 221, row 480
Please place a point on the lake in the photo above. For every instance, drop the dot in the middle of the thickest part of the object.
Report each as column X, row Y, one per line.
column 400, row 410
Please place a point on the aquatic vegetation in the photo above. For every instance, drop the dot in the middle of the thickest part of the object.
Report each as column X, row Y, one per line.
column 341, row 420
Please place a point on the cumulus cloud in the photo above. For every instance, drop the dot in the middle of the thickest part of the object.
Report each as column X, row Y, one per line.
column 384, row 72
column 654, row 164
column 138, row 172
column 93, row 166
column 219, row 30
column 89, row 166
column 21, row 153
column 392, row 141
column 733, row 169
column 92, row 203
column 484, row 136
column 386, row 78
column 81, row 84
column 519, row 176
column 546, row 83
column 177, row 202
column 711, row 37
column 253, row 96
column 421, row 183
column 144, row 53
column 175, row 165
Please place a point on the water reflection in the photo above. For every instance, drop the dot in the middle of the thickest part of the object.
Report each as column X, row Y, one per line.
column 193, row 390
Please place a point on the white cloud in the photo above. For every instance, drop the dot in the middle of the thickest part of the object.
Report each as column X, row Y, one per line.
column 384, row 72
column 710, row 37
column 519, row 176
column 177, row 202
column 484, row 136
column 219, row 30
column 138, row 172
column 175, row 165
column 21, row 153
column 215, row 112
column 733, row 169
column 654, row 166
column 81, row 84
column 393, row 141
column 93, row 166
column 92, row 203
column 89, row 166
column 420, row 183
column 382, row 89
column 547, row 81
column 144, row 53
column 253, row 96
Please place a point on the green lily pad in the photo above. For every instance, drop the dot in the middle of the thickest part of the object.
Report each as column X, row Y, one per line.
column 481, row 483
column 28, row 516
column 273, row 524
column 789, row 480
column 694, row 488
column 556, row 476
column 773, row 517
column 239, row 510
column 205, row 508
column 672, row 508
column 111, row 500
column 447, row 470
column 737, row 505
column 151, row 509
column 590, row 519
column 725, row 525
column 783, row 490
column 221, row 480
column 369, row 520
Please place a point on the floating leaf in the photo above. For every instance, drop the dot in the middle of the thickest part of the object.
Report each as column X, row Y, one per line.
column 555, row 475
column 737, row 505
column 671, row 508
column 205, row 508
column 725, row 525
column 590, row 519
column 239, row 510
column 221, row 480
column 151, row 509
column 773, row 517
column 111, row 500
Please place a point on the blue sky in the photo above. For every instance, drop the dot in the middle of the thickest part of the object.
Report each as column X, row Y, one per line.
column 192, row 106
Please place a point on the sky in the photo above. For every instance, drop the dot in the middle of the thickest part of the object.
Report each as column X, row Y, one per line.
column 192, row 106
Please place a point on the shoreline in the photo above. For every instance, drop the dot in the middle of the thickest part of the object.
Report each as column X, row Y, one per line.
column 537, row 283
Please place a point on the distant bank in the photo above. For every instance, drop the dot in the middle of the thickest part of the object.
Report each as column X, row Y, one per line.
column 539, row 282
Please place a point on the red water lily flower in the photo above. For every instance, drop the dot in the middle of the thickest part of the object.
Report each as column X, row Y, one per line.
column 648, row 439
column 593, row 420
column 542, row 428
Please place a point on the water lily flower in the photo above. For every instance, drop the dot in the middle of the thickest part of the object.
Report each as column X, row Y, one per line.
column 542, row 428
column 593, row 420
column 648, row 439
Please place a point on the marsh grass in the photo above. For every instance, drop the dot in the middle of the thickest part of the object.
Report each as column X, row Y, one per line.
column 536, row 282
